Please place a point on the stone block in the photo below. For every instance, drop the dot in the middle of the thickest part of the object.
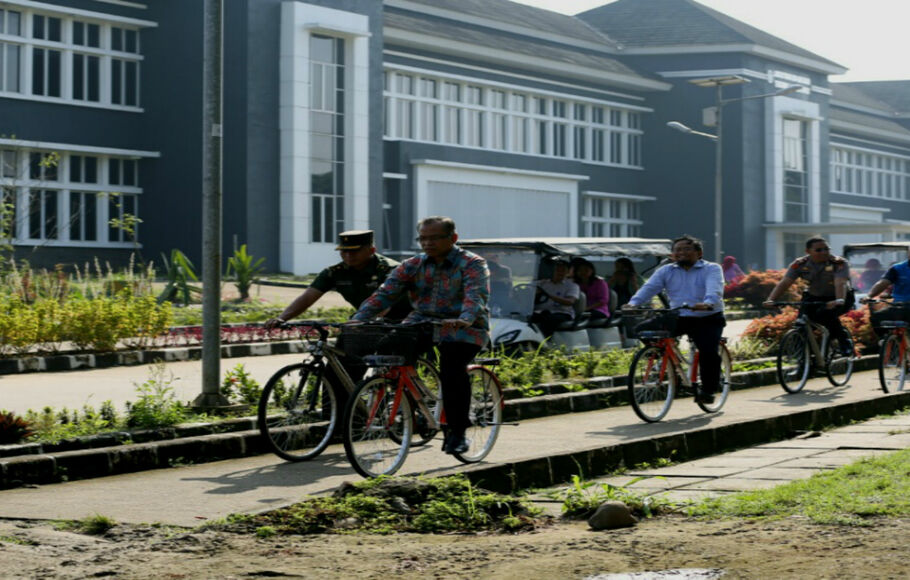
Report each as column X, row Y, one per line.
column 605, row 459
column 83, row 464
column 132, row 458
column 28, row 469
column 58, row 363
column 533, row 473
column 564, row 466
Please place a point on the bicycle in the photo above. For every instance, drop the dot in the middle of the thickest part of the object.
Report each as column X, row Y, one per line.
column 658, row 369
column 800, row 351
column 381, row 414
column 298, row 409
column 894, row 356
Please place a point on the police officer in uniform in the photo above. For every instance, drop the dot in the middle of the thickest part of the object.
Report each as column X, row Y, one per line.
column 829, row 279
column 360, row 272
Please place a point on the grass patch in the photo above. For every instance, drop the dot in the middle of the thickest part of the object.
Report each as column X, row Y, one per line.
column 95, row 525
column 389, row 505
column 850, row 495
column 581, row 499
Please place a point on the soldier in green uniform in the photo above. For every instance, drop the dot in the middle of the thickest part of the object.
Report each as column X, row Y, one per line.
column 360, row 272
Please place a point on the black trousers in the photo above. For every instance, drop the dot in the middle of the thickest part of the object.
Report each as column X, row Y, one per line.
column 456, row 386
column 547, row 321
column 827, row 317
column 705, row 332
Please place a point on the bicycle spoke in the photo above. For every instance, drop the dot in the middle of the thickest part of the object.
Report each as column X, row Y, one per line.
column 651, row 384
column 485, row 414
column 377, row 428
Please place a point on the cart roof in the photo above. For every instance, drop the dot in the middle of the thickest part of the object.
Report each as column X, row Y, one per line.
column 875, row 247
column 579, row 246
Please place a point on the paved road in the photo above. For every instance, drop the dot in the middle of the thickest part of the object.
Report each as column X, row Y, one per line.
column 189, row 495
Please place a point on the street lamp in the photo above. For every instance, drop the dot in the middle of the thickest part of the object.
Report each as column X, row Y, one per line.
column 719, row 83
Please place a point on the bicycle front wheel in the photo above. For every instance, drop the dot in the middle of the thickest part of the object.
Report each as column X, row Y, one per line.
column 651, row 384
column 485, row 414
column 793, row 361
column 892, row 364
column 298, row 412
column 838, row 367
column 726, row 376
column 377, row 429
column 432, row 398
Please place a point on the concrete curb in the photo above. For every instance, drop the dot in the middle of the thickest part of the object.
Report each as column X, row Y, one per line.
column 106, row 454
column 691, row 444
column 71, row 362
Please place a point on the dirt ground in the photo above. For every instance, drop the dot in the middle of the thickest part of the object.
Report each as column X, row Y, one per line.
column 792, row 548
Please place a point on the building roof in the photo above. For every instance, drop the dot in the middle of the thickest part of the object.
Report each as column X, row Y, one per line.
column 640, row 24
column 855, row 122
column 434, row 30
column 847, row 94
column 896, row 94
column 514, row 14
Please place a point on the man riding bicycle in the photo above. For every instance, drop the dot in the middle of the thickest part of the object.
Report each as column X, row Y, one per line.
column 451, row 285
column 828, row 278
column 691, row 280
column 897, row 279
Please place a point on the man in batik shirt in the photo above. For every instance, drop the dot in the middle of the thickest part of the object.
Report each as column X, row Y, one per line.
column 451, row 285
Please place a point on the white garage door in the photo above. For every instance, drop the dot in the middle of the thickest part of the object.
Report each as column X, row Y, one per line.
column 484, row 211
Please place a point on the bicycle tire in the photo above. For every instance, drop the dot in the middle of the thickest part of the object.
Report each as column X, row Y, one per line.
column 485, row 414
column 651, row 384
column 838, row 368
column 429, row 376
column 368, row 425
column 892, row 365
column 297, row 415
column 793, row 361
column 726, row 377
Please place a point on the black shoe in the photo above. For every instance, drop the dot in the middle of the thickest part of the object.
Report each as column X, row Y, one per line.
column 455, row 444
column 703, row 397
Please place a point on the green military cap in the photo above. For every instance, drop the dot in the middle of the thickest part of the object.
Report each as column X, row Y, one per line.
column 355, row 239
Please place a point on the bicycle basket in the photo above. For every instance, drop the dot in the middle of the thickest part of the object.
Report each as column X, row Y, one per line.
column 895, row 312
column 633, row 323
column 362, row 340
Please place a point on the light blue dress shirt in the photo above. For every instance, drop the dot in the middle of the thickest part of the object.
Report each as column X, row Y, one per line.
column 703, row 282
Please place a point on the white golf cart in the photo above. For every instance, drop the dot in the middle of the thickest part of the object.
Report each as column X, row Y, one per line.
column 515, row 263
column 870, row 261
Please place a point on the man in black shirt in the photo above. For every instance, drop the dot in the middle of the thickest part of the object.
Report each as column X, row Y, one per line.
column 360, row 272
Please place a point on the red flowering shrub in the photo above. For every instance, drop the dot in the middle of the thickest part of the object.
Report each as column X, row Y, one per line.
column 755, row 287
column 769, row 329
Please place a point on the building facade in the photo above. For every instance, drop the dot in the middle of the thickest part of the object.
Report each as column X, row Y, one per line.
column 515, row 121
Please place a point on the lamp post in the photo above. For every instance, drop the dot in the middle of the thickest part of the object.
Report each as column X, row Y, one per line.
column 719, row 83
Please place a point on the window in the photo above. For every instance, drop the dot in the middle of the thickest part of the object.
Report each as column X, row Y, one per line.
column 606, row 216
column 63, row 197
column 83, row 218
column 468, row 114
column 327, row 135
column 85, row 169
column 42, row 214
column 871, row 174
column 69, row 59
column 119, row 208
column 796, row 174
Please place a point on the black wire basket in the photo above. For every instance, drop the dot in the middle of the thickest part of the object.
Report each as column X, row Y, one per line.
column 363, row 340
column 636, row 321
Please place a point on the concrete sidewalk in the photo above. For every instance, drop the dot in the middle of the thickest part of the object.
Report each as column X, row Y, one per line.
column 192, row 494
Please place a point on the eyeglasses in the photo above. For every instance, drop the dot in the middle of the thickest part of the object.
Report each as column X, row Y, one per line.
column 825, row 249
column 436, row 238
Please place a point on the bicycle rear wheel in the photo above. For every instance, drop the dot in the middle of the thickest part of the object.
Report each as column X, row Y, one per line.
column 298, row 412
column 432, row 398
column 838, row 367
column 726, row 376
column 377, row 432
column 485, row 414
column 651, row 384
column 793, row 361
column 892, row 364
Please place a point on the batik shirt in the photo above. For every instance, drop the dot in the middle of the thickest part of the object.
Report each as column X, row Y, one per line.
column 459, row 287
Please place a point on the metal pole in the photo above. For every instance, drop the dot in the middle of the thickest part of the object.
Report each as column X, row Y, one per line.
column 211, row 396
column 718, row 179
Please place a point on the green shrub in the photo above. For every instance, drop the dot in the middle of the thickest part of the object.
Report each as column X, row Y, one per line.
column 157, row 405
column 239, row 386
